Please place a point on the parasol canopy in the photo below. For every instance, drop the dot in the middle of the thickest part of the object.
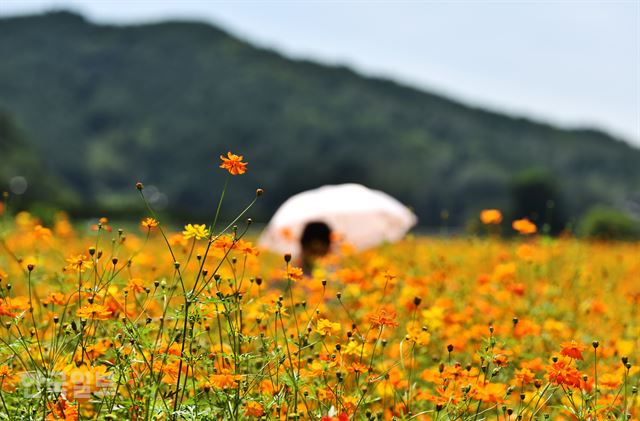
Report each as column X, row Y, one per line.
column 360, row 216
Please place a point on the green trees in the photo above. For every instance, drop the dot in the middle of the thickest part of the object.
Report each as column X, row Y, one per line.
column 606, row 223
column 536, row 195
column 106, row 106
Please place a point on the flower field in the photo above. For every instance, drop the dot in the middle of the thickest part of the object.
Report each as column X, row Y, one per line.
column 199, row 324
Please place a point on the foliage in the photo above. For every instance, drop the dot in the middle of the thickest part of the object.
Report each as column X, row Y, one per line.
column 106, row 106
column 535, row 195
column 606, row 223
column 20, row 160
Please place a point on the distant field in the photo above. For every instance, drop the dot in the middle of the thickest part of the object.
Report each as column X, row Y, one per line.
column 429, row 328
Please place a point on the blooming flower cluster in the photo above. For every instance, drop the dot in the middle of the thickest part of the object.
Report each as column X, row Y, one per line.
column 156, row 324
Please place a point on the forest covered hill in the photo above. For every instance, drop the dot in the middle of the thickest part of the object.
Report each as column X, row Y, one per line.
column 99, row 107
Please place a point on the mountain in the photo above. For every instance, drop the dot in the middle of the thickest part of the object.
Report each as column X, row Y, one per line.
column 23, row 172
column 106, row 106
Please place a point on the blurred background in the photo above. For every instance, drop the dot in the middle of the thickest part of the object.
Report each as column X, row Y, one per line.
column 529, row 107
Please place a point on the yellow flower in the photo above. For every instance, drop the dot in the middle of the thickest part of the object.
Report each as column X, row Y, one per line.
column 197, row 231
column 354, row 348
column 434, row 317
column 233, row 164
column 326, row 327
column 418, row 334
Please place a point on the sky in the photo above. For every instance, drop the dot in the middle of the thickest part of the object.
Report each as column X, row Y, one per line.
column 569, row 63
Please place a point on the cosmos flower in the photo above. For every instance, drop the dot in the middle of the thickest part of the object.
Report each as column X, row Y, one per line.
column 572, row 350
column 149, row 223
column 94, row 311
column 491, row 216
column 383, row 318
column 326, row 327
column 253, row 409
column 233, row 164
column 79, row 263
column 197, row 231
column 524, row 226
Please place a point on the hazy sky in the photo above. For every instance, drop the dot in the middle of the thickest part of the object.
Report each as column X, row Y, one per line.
column 573, row 63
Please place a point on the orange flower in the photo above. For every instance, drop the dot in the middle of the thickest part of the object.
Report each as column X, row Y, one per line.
column 610, row 381
column 102, row 224
column 246, row 247
column 149, row 223
column 223, row 381
column 41, row 232
column 524, row 226
column 136, row 285
column 500, row 360
column 13, row 307
column 79, row 263
column 350, row 275
column 526, row 328
column 99, row 349
column 357, row 367
column 56, row 298
column 169, row 370
column 525, row 376
column 572, row 350
column 94, row 311
column 63, row 410
column 294, row 273
column 534, row 365
column 4, row 371
column 384, row 318
column 491, row 216
column 253, row 409
column 8, row 378
column 233, row 164
column 341, row 417
column 82, row 381
column 223, row 242
column 489, row 392
column 562, row 373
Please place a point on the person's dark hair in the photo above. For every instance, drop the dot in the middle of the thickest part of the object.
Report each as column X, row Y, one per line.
column 315, row 232
column 315, row 242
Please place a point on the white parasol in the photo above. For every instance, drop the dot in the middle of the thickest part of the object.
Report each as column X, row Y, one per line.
column 360, row 216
